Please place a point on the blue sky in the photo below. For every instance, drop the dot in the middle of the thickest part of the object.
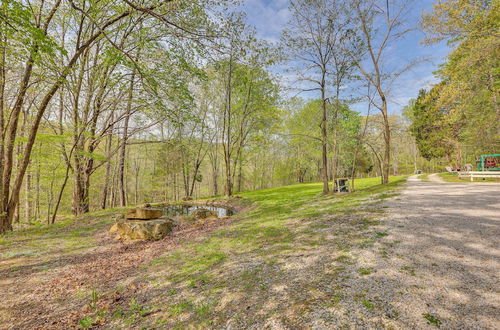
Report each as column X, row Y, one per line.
column 271, row 16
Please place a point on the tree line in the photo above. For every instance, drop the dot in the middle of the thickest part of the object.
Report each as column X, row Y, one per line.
column 110, row 103
column 458, row 119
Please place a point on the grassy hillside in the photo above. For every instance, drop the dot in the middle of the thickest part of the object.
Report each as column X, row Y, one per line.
column 283, row 258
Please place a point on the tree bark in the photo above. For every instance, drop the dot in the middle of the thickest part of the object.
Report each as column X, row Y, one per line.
column 10, row 198
column 121, row 162
column 228, row 189
column 387, row 139
column 324, row 138
column 107, row 178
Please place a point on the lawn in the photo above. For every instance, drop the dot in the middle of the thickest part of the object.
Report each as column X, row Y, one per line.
column 453, row 177
column 424, row 177
column 284, row 257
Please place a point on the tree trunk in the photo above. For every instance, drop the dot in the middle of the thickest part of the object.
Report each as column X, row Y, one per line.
column 386, row 163
column 80, row 196
column 215, row 173
column 50, row 199
column 335, row 136
column 121, row 166
column 360, row 142
column 3, row 44
column 37, row 192
column 324, row 140
column 27, row 193
column 61, row 191
column 240, row 175
column 107, row 178
column 227, row 130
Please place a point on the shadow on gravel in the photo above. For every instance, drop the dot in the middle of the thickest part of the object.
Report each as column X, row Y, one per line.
column 448, row 247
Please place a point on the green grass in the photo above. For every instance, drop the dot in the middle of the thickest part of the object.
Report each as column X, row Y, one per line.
column 424, row 177
column 431, row 319
column 265, row 233
column 408, row 270
column 265, row 225
column 365, row 271
column 190, row 280
column 368, row 304
column 67, row 236
column 453, row 177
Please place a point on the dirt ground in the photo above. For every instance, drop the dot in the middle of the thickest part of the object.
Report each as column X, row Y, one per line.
column 39, row 293
column 421, row 257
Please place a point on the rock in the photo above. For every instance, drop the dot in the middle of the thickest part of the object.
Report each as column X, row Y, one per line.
column 143, row 214
column 187, row 198
column 203, row 213
column 142, row 206
column 114, row 228
column 143, row 230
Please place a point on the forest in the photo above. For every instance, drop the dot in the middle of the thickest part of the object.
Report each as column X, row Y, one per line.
column 106, row 104
column 290, row 155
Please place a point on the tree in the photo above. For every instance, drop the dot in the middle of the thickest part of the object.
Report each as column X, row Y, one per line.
column 428, row 125
column 469, row 88
column 303, row 151
column 380, row 24
column 31, row 30
column 249, row 92
column 254, row 95
column 309, row 42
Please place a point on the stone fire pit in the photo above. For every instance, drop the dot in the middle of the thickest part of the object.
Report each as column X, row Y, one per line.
column 142, row 224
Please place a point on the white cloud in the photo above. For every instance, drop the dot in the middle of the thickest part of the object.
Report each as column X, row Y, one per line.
column 268, row 16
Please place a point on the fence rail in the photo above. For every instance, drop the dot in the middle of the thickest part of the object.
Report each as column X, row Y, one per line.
column 479, row 174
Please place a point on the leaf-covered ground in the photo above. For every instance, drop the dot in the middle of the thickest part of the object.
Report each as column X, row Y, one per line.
column 282, row 261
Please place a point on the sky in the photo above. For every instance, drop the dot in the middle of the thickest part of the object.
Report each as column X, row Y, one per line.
column 271, row 16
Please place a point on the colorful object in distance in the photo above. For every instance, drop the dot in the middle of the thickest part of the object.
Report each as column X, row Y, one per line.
column 489, row 163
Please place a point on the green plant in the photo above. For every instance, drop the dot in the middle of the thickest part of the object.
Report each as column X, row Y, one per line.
column 344, row 258
column 431, row 319
column 180, row 308
column 15, row 254
column 86, row 322
column 409, row 270
column 94, row 297
column 137, row 308
column 365, row 271
column 202, row 309
column 334, row 301
column 368, row 304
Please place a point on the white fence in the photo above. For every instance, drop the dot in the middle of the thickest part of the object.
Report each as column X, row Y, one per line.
column 479, row 174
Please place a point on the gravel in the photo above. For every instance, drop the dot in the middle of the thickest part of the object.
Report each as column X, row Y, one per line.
column 441, row 259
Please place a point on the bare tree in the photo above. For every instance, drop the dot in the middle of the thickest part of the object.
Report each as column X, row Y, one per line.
column 310, row 42
column 379, row 24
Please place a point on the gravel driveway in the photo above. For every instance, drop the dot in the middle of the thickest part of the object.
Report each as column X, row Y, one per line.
column 443, row 268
